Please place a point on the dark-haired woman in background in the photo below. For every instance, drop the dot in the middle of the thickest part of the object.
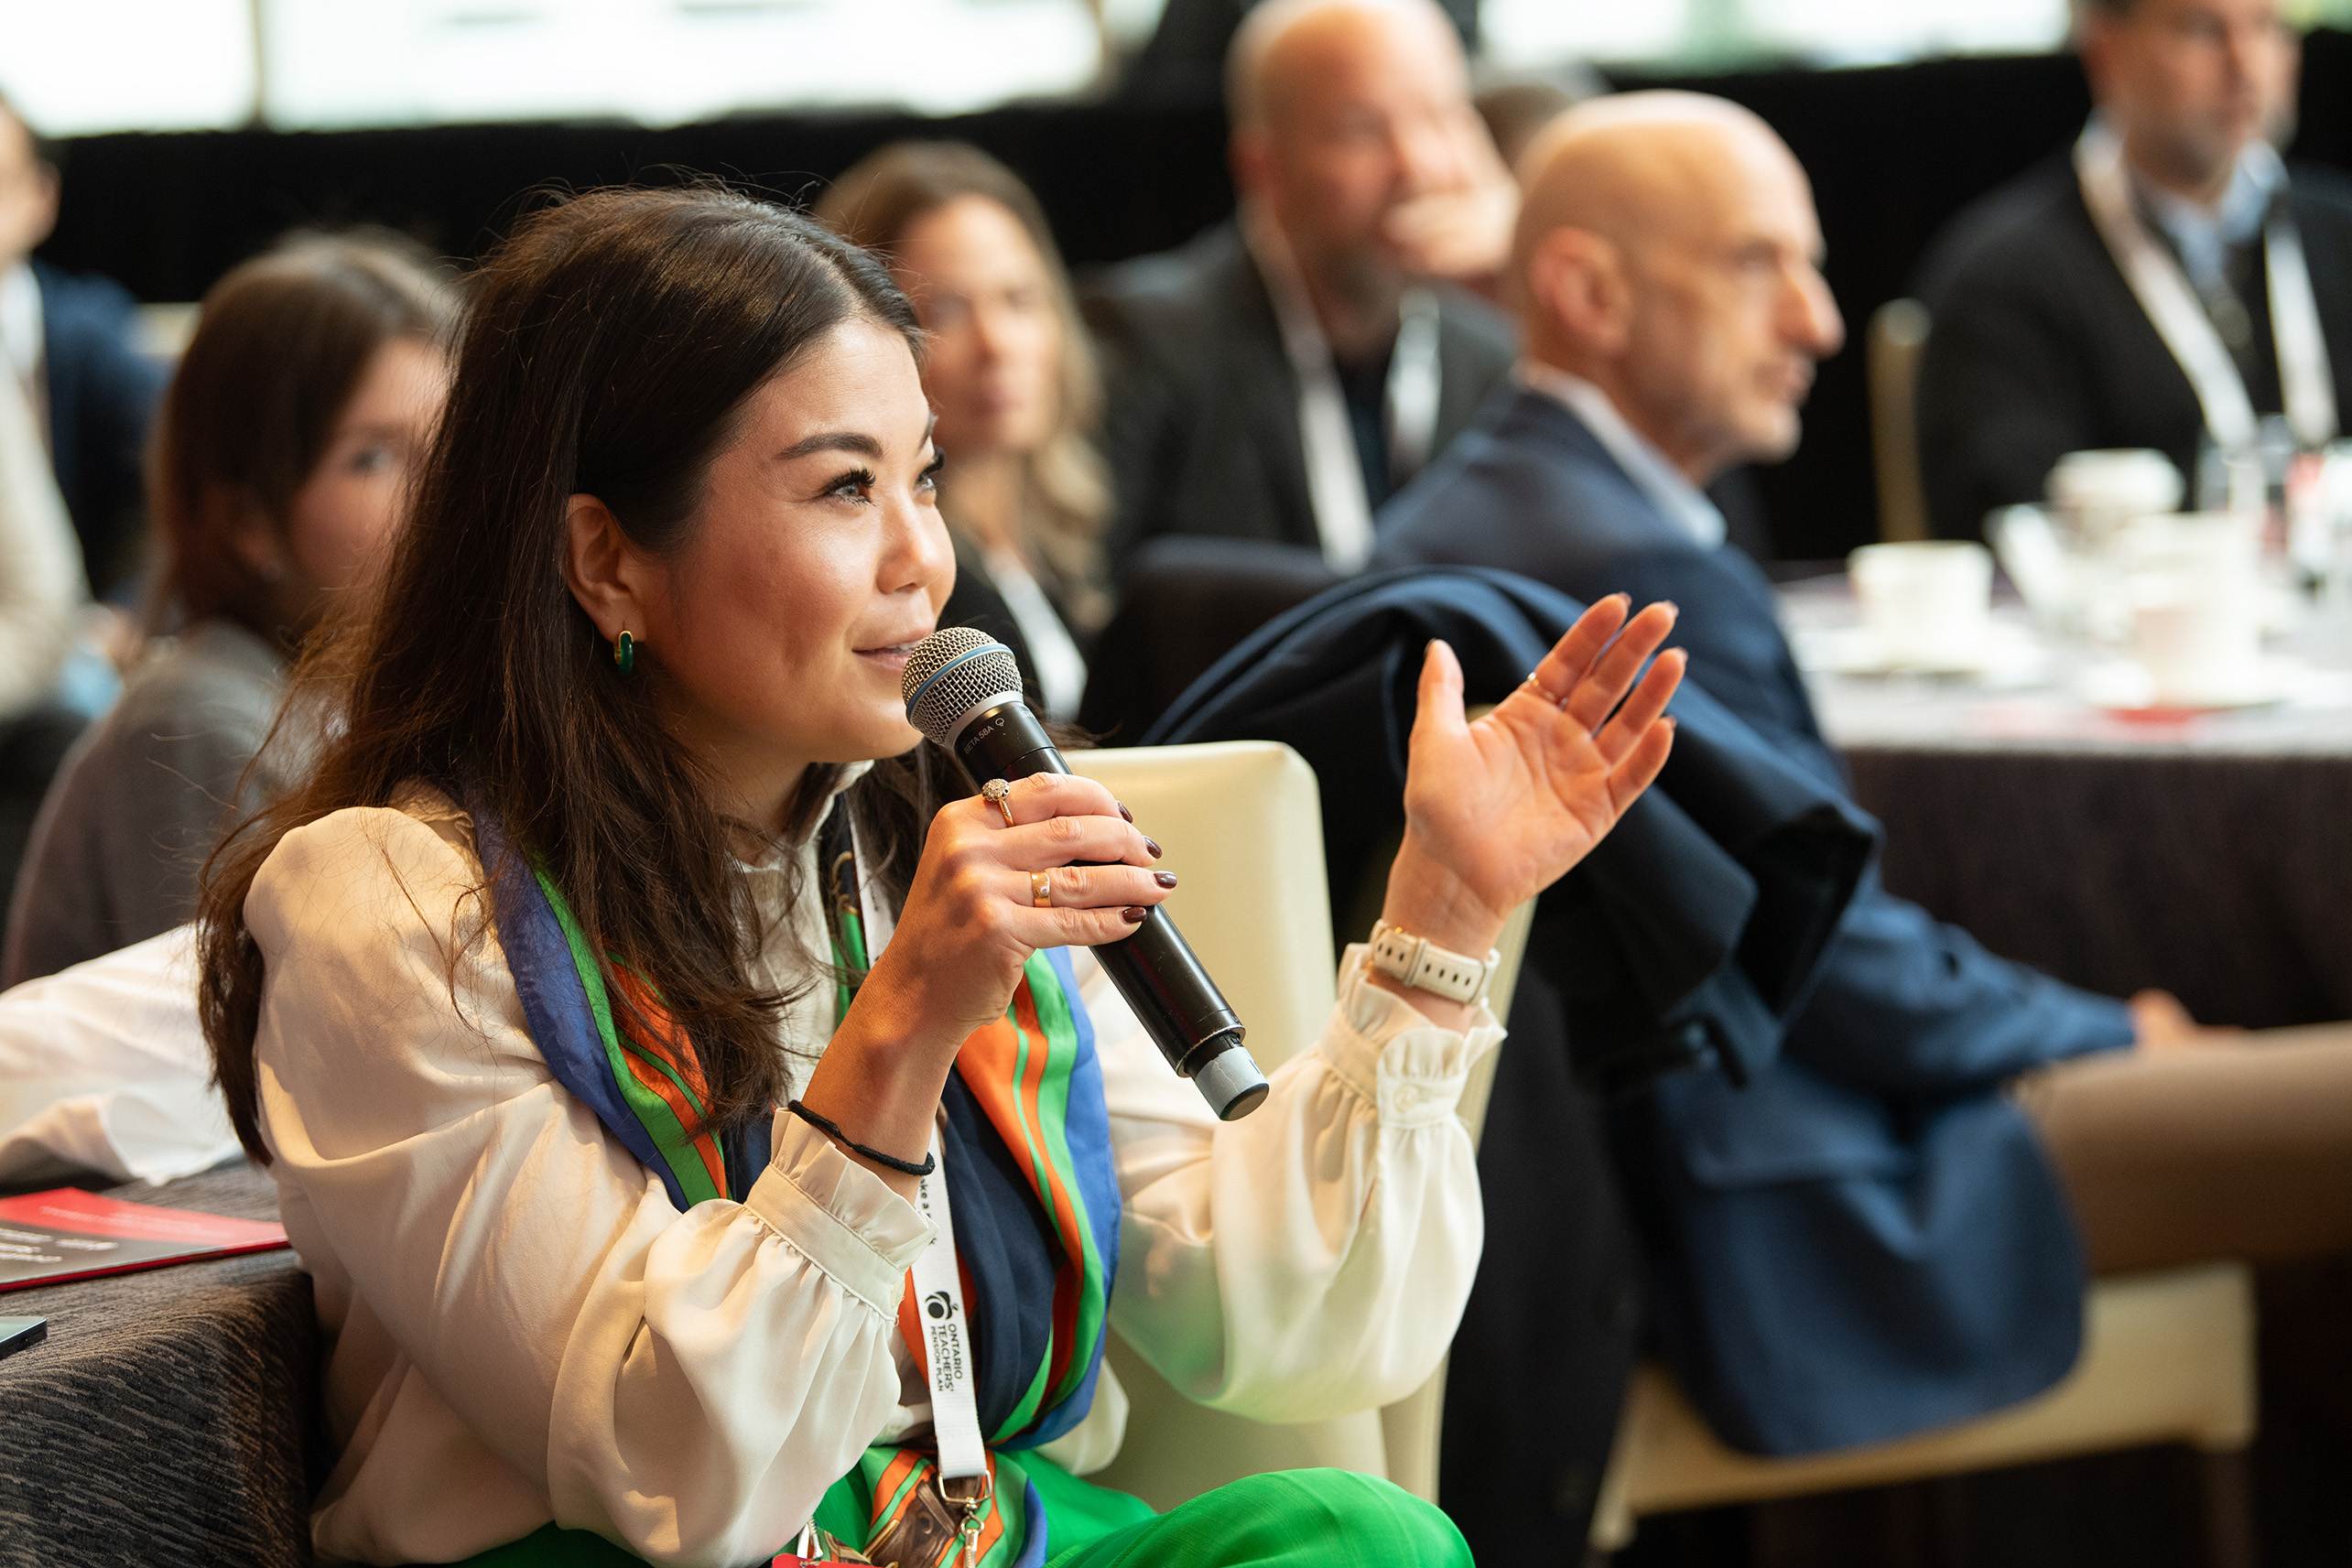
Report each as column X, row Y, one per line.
column 620, row 841
column 1009, row 371
column 281, row 461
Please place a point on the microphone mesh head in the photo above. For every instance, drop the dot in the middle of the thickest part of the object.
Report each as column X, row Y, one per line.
column 951, row 670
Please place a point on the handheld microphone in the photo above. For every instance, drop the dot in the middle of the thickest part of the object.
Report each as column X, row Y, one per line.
column 963, row 691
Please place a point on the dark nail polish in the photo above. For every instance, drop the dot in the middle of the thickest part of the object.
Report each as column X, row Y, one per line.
column 1165, row 879
column 1151, row 844
column 1124, row 812
column 1133, row 916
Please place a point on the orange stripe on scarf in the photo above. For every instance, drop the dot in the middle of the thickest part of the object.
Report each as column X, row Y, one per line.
column 670, row 1044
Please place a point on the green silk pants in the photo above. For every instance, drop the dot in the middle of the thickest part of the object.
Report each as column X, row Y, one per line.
column 1288, row 1519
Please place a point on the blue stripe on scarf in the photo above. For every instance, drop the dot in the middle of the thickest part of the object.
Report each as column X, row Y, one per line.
column 555, row 1001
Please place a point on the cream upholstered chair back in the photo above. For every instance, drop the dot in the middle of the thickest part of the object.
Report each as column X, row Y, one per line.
column 1241, row 824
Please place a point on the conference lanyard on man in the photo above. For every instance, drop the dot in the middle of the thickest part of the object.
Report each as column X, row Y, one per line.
column 1335, row 474
column 2164, row 292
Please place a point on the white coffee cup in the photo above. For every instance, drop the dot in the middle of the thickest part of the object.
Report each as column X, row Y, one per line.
column 1929, row 603
column 2100, row 492
column 2193, row 588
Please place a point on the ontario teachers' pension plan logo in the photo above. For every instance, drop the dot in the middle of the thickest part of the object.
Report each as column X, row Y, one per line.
column 938, row 1306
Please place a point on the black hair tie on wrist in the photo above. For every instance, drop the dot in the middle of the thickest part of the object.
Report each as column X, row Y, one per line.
column 832, row 1130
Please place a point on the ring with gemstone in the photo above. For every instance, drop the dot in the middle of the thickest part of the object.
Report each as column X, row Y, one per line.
column 1041, row 890
column 999, row 794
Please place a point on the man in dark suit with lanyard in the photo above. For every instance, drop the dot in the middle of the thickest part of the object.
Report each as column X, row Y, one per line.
column 68, row 339
column 1887, row 1229
column 1280, row 376
column 2167, row 285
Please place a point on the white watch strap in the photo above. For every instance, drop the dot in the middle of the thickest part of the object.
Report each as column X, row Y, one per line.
column 1418, row 962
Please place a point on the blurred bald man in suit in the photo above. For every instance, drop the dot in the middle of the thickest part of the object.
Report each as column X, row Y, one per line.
column 1281, row 375
column 1876, row 1235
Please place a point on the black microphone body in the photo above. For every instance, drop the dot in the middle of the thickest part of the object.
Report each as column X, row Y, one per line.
column 1155, row 970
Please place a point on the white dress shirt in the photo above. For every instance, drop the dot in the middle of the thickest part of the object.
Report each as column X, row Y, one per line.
column 42, row 587
column 523, row 1329
column 1682, row 502
column 1061, row 668
column 23, row 333
column 2203, row 234
column 103, row 1067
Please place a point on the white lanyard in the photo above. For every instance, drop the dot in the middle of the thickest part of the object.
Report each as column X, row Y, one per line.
column 939, row 1284
column 1335, row 474
column 947, row 1346
column 2174, row 309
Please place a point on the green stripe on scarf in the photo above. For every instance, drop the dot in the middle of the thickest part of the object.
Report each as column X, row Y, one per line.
column 661, row 1123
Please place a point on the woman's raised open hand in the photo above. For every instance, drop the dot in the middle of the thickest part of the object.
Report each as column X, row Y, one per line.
column 1497, row 811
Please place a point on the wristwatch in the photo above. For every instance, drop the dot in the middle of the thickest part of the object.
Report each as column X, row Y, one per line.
column 1418, row 962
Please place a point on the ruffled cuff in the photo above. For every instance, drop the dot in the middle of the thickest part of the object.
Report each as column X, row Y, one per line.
column 1386, row 1049
column 842, row 1216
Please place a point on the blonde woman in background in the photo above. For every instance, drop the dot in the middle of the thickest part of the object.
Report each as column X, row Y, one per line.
column 1009, row 371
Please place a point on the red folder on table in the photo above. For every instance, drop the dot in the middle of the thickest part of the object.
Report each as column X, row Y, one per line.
column 47, row 1238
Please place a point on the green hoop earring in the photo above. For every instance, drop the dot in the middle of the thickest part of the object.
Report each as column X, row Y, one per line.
column 624, row 652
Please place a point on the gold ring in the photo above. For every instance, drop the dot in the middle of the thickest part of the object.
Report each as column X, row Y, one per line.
column 1532, row 684
column 1041, row 890
column 1001, row 793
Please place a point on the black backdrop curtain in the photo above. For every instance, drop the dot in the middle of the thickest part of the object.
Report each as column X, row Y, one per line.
column 1894, row 152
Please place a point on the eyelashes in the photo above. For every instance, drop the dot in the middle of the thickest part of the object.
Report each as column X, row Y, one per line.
column 858, row 484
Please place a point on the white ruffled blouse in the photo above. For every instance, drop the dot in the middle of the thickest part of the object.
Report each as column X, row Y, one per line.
column 522, row 1327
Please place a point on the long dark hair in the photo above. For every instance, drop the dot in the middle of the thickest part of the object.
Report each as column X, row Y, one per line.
column 279, row 348
column 610, row 345
column 1066, row 504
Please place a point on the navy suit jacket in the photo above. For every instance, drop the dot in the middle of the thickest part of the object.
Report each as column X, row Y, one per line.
column 101, row 394
column 1867, row 1240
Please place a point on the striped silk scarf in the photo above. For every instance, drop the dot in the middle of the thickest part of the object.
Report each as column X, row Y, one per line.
column 1024, row 1136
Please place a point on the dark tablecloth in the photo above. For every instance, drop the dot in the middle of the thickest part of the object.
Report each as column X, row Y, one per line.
column 2218, row 875
column 2206, row 854
column 168, row 1417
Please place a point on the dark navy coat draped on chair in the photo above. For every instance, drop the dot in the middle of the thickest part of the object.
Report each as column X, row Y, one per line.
column 1867, row 1240
column 1685, row 940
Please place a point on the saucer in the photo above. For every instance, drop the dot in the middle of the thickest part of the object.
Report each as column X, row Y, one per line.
column 2123, row 687
column 2006, row 653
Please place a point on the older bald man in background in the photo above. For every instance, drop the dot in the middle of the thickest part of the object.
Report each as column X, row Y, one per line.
column 1870, row 1238
column 1280, row 376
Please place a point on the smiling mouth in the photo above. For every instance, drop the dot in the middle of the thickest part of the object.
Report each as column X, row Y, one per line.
column 894, row 653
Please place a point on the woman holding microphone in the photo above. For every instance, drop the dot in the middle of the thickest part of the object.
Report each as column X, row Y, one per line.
column 628, row 971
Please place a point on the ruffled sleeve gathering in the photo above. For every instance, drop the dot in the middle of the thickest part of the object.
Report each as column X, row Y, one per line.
column 1312, row 1258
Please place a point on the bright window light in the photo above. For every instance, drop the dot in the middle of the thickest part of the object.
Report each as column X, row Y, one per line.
column 1867, row 31
column 80, row 67
column 1536, row 33
column 332, row 63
